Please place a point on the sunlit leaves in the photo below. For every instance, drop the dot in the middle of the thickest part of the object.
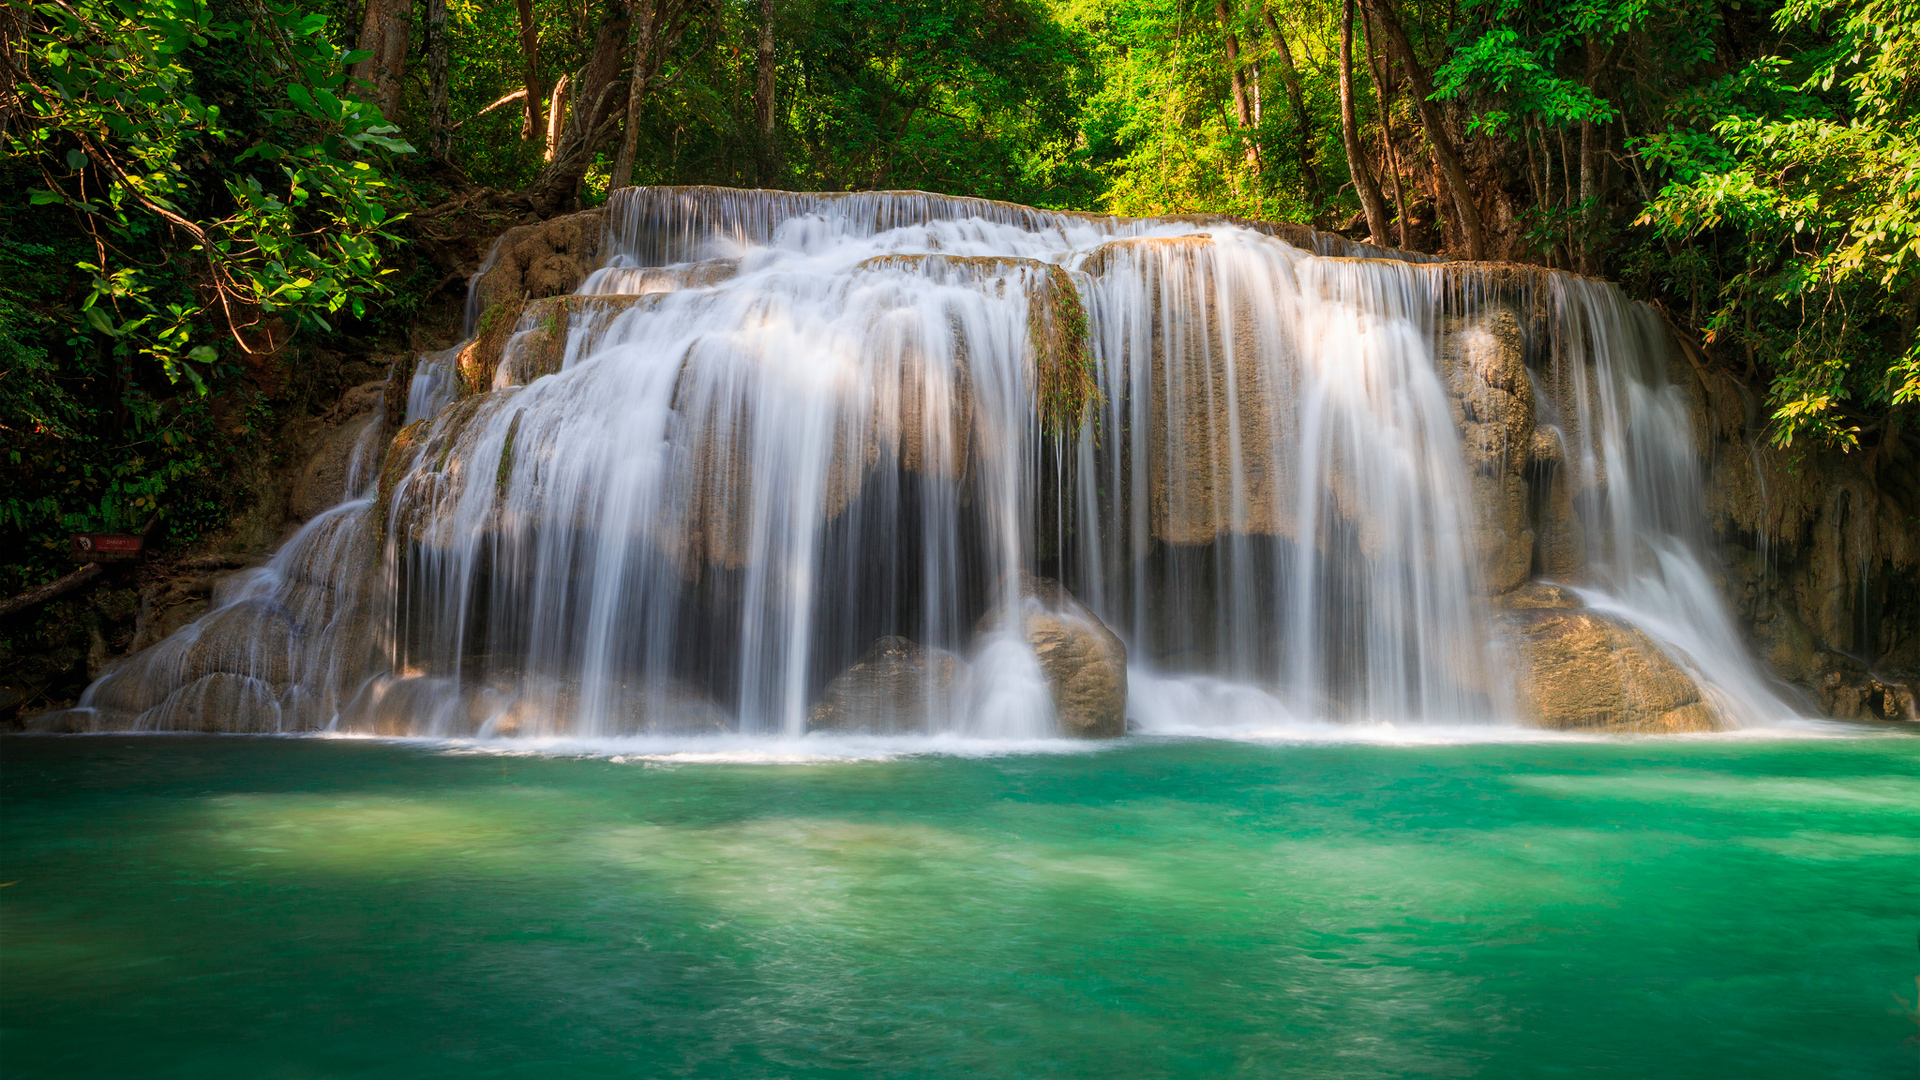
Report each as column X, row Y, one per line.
column 293, row 227
column 1828, row 205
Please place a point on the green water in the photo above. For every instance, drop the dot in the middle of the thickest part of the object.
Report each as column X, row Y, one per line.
column 304, row 908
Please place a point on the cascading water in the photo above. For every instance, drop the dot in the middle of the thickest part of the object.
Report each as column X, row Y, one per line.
column 777, row 432
column 1633, row 461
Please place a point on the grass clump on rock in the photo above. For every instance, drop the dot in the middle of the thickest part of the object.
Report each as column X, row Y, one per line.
column 1064, row 382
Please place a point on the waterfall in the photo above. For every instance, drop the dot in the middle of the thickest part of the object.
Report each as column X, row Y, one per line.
column 779, row 439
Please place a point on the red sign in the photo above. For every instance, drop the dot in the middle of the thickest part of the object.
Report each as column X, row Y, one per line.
column 100, row 547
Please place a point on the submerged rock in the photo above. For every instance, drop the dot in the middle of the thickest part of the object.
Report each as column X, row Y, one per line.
column 672, row 707
column 898, row 687
column 1581, row 670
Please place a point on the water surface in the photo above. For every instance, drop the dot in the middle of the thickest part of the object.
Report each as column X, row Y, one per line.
column 235, row 907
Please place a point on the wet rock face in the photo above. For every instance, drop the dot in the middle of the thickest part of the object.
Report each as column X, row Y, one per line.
column 1483, row 361
column 1085, row 663
column 547, row 258
column 898, row 687
column 220, row 702
column 1212, row 443
column 1820, row 551
column 1538, row 594
column 1581, row 670
column 273, row 649
column 323, row 481
column 1846, row 690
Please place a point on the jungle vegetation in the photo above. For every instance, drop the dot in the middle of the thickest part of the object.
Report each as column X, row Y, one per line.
column 200, row 197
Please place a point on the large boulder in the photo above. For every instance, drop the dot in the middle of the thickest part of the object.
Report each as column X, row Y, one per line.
column 898, row 687
column 1085, row 663
column 1580, row 670
column 1483, row 361
column 545, row 258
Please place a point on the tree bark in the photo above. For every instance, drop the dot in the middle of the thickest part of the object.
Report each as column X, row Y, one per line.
column 1290, row 75
column 440, row 132
column 646, row 13
column 556, row 114
column 1591, row 179
column 1237, row 80
column 1382, row 68
column 530, row 69
column 384, row 34
column 662, row 23
column 1370, row 200
column 1443, row 149
column 763, row 98
column 595, row 91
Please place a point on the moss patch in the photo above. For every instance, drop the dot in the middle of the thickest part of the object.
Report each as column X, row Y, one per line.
column 399, row 459
column 482, row 355
column 504, row 473
column 1064, row 382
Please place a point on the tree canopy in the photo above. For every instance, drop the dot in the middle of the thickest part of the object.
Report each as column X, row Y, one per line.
column 205, row 198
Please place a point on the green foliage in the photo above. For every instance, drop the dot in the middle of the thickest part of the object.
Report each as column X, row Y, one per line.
column 271, row 197
column 198, row 182
column 1820, row 195
column 187, row 183
column 1160, row 126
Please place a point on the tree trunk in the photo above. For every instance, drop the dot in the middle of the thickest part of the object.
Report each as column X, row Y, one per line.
column 1290, row 75
column 763, row 97
column 384, row 34
column 52, row 590
column 556, row 114
column 1370, row 200
column 1430, row 119
column 595, row 91
column 1382, row 68
column 530, row 57
column 646, row 12
column 1242, row 110
column 1591, row 180
column 440, row 134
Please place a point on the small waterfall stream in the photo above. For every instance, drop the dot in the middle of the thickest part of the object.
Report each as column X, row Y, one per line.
column 1299, row 478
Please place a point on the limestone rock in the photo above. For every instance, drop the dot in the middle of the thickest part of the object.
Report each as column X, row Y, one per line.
column 1213, row 470
column 547, row 258
column 1084, row 662
column 1483, row 360
column 342, row 454
column 897, row 687
column 330, row 470
column 252, row 637
column 1821, row 554
column 1538, row 594
column 1848, row 691
column 220, row 702
column 1581, row 670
